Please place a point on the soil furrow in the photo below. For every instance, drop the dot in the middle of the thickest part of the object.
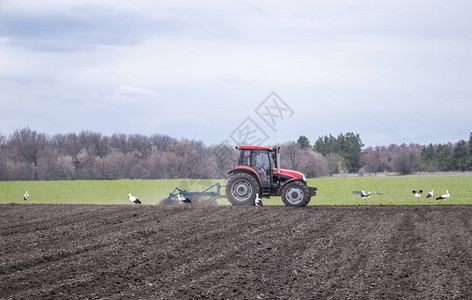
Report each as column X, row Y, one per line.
column 117, row 252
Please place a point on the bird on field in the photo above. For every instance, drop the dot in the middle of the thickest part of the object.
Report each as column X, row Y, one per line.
column 430, row 194
column 258, row 203
column 418, row 193
column 444, row 197
column 26, row 196
column 183, row 200
column 365, row 196
column 133, row 199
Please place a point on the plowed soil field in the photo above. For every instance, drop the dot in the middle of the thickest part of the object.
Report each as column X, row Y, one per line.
column 225, row 252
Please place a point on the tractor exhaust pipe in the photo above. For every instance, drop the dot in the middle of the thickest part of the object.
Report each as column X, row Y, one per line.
column 277, row 161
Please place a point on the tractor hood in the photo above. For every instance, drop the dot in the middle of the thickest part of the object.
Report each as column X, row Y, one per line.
column 290, row 173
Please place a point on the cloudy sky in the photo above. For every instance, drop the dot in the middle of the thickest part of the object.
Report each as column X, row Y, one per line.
column 392, row 71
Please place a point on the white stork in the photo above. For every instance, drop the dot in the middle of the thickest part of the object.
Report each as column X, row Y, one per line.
column 183, row 200
column 430, row 194
column 444, row 197
column 133, row 199
column 418, row 193
column 365, row 196
column 26, row 196
column 258, row 203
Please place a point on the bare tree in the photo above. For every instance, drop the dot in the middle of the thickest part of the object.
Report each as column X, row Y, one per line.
column 375, row 160
column 83, row 164
column 161, row 164
column 224, row 157
column 3, row 158
column 112, row 166
column 163, row 142
column 314, row 164
column 292, row 156
column 19, row 170
column 140, row 143
column 119, row 141
column 335, row 164
column 93, row 142
column 135, row 165
column 65, row 169
column 310, row 163
column 406, row 159
column 29, row 144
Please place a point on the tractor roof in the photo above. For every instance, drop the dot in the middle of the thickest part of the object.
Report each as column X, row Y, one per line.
column 247, row 147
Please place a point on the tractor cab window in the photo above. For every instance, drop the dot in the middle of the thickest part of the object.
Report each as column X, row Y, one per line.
column 261, row 163
column 260, row 160
column 245, row 158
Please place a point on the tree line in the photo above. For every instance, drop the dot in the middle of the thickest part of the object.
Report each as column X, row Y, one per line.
column 30, row 155
column 345, row 155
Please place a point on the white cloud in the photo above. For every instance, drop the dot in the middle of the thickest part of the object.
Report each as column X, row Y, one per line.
column 131, row 91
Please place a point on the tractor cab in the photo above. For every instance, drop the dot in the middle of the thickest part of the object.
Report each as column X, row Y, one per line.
column 261, row 161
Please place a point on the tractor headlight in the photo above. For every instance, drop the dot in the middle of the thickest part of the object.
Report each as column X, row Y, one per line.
column 304, row 177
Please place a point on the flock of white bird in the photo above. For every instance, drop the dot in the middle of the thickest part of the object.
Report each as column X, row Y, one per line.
column 184, row 200
column 416, row 193
column 258, row 202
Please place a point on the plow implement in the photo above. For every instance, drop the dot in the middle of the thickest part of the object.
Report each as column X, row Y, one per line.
column 206, row 197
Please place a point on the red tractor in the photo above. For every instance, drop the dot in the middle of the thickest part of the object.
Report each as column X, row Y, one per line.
column 258, row 172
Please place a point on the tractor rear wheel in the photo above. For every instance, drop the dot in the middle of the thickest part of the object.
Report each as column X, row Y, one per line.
column 295, row 194
column 241, row 189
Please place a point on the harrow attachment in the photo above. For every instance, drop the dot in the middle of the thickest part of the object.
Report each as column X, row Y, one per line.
column 206, row 197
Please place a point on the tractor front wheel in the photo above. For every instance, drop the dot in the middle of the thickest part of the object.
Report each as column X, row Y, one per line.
column 295, row 194
column 241, row 189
